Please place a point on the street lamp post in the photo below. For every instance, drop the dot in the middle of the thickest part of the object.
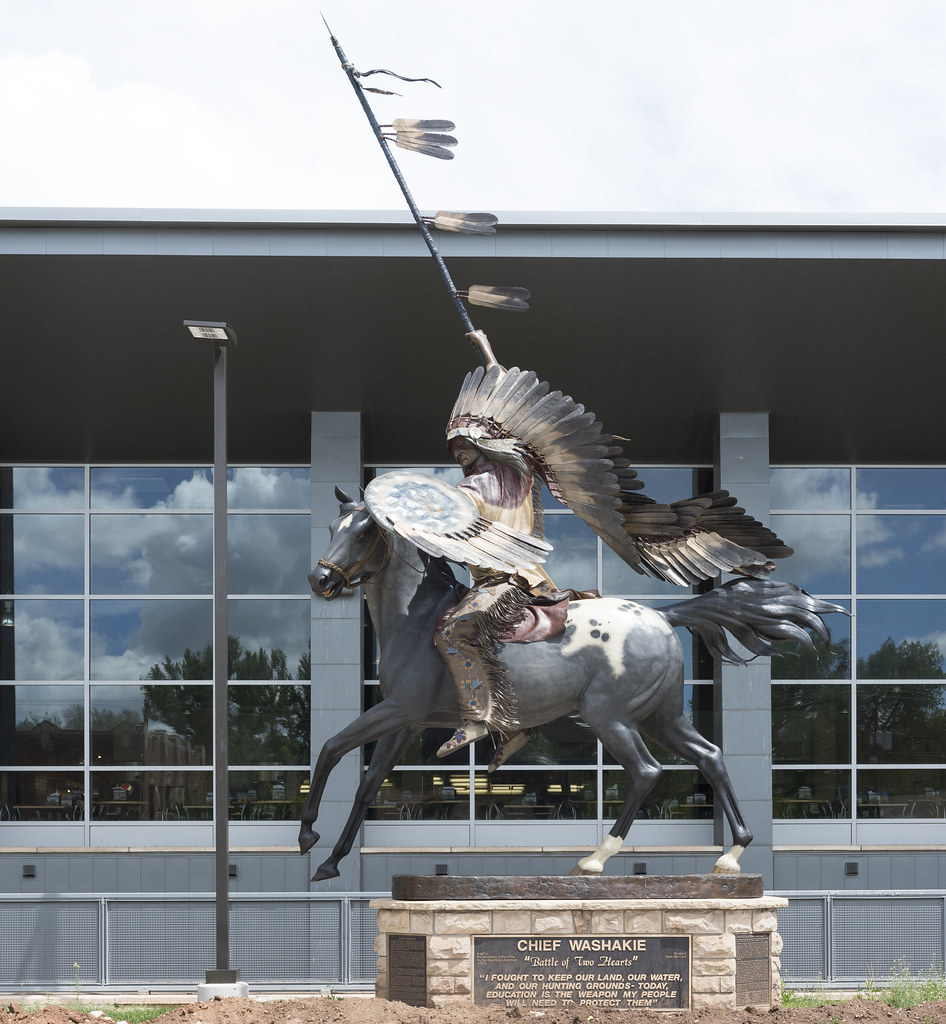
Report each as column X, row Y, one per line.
column 223, row 980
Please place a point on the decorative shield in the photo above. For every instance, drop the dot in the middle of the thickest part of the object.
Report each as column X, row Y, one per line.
column 441, row 520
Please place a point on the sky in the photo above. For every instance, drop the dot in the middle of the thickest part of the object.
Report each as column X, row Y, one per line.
column 744, row 106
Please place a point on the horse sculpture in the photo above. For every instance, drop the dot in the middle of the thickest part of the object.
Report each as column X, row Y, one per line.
column 618, row 665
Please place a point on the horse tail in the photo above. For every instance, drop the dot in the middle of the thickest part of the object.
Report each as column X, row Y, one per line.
column 758, row 613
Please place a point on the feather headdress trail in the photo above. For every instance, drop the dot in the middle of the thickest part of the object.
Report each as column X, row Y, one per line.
column 510, row 414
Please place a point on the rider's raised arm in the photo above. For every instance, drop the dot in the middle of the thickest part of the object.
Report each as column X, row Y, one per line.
column 479, row 340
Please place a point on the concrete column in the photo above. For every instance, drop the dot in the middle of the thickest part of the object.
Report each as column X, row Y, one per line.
column 337, row 670
column 743, row 697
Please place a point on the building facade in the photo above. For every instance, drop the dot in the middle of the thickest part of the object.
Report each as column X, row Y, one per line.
column 795, row 364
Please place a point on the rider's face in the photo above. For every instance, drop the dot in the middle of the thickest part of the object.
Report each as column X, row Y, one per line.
column 466, row 454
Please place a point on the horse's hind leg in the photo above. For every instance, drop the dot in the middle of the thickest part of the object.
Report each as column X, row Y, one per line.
column 679, row 735
column 387, row 752
column 625, row 744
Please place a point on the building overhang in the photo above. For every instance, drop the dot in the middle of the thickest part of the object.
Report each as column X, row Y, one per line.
column 656, row 322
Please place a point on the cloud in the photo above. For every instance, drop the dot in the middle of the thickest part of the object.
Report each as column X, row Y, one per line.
column 48, row 640
column 696, row 105
column 68, row 141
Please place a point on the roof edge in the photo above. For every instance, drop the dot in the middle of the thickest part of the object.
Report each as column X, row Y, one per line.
column 561, row 220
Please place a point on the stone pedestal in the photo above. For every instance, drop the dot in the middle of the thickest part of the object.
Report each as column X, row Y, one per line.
column 635, row 942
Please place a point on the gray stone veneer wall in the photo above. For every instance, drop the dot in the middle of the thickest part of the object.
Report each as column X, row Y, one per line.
column 743, row 698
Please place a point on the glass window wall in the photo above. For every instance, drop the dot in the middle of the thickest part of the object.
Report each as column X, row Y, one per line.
column 106, row 586
column 867, row 746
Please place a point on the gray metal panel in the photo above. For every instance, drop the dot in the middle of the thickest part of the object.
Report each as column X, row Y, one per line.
column 297, row 243
column 510, row 242
column 871, row 938
column 200, row 877
column 130, row 241
column 54, row 875
column 582, row 244
column 81, row 874
column 232, row 242
column 637, row 245
column 929, row 873
column 185, row 242
column 159, row 942
column 692, row 245
column 400, row 243
column 104, row 874
column 879, row 873
column 339, row 242
column 740, row 244
column 23, row 241
column 152, row 873
column 903, row 871
column 802, row 927
column 128, row 874
column 44, row 940
column 809, row 872
column 863, row 245
column 177, row 874
column 74, row 241
column 915, row 247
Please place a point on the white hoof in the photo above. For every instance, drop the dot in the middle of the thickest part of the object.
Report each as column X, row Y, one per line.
column 590, row 865
column 728, row 864
column 593, row 864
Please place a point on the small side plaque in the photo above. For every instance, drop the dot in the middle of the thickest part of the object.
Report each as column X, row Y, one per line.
column 753, row 971
column 407, row 969
column 620, row 971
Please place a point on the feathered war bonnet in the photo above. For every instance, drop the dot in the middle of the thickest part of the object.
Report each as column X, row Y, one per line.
column 512, row 417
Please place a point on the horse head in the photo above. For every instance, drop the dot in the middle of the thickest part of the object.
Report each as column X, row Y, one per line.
column 354, row 554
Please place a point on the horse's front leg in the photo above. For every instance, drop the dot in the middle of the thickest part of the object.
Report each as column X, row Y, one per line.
column 387, row 752
column 384, row 718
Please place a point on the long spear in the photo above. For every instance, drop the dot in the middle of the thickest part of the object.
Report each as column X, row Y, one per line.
column 425, row 137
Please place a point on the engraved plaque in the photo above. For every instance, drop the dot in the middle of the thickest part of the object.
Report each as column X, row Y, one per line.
column 407, row 969
column 618, row 971
column 753, row 970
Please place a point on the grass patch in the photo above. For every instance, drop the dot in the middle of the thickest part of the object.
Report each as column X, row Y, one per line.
column 904, row 990
column 793, row 999
column 133, row 1013
column 900, row 990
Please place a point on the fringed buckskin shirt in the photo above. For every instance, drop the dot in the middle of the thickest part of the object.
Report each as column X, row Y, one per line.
column 503, row 495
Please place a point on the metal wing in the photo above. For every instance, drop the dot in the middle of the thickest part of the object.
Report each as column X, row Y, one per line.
column 444, row 522
column 585, row 469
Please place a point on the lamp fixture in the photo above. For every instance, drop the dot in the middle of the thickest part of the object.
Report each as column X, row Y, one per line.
column 212, row 330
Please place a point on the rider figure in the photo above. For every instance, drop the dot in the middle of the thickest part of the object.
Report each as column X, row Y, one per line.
column 502, row 491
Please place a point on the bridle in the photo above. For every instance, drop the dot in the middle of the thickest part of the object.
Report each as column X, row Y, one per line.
column 350, row 576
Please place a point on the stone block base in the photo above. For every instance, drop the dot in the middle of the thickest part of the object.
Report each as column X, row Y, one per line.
column 649, row 950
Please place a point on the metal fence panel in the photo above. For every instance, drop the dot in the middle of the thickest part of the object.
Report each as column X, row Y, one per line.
column 802, row 926
column 168, row 942
column 44, row 939
column 363, row 960
column 872, row 938
column 297, row 939
column 287, row 941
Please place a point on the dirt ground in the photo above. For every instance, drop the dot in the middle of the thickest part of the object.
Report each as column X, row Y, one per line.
column 379, row 1011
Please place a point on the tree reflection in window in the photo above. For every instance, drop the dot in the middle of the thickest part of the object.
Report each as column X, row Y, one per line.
column 269, row 723
column 811, row 724
column 824, row 661
column 900, row 724
column 909, row 659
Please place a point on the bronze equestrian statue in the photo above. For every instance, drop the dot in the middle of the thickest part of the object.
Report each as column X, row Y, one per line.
column 615, row 663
